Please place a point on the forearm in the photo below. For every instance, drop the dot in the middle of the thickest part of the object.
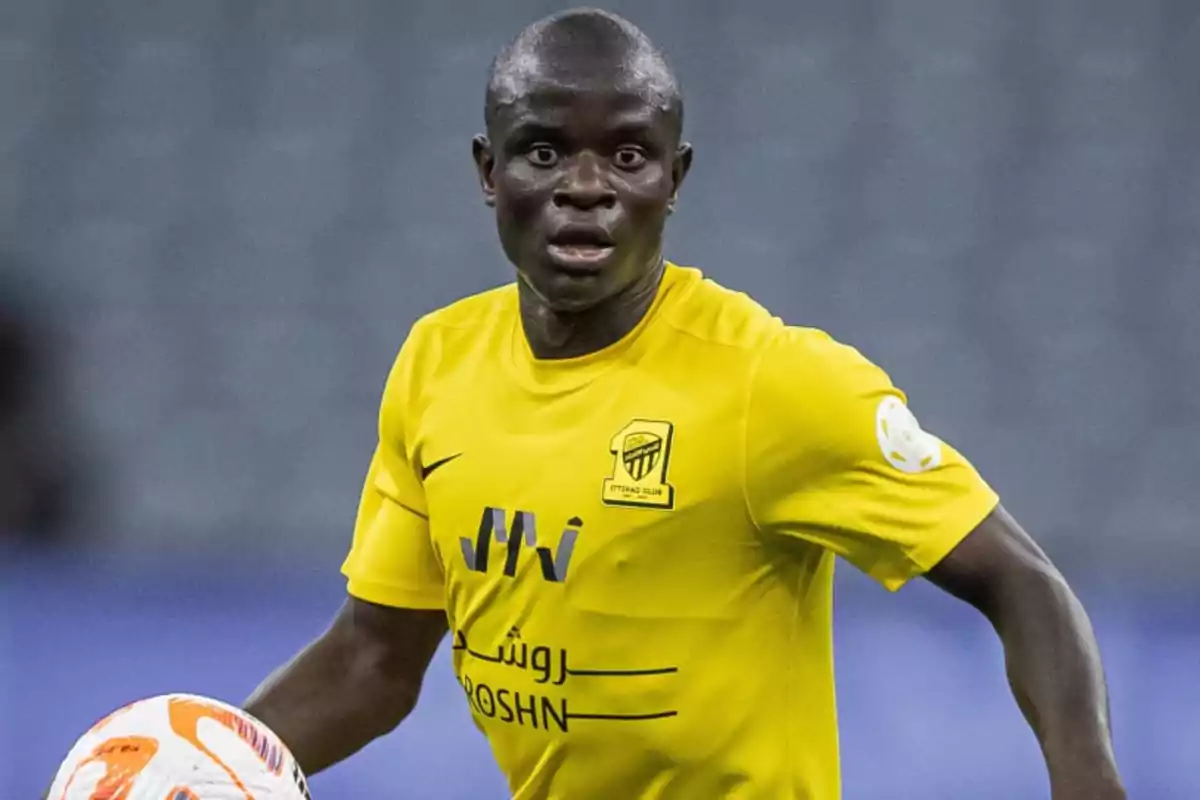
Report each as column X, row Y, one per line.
column 1054, row 668
column 329, row 702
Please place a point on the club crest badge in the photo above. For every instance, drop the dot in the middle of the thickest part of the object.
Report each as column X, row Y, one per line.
column 641, row 455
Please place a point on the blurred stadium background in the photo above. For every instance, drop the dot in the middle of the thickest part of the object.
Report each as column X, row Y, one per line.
column 219, row 218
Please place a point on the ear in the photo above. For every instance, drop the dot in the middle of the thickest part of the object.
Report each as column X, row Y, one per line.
column 680, row 167
column 485, row 163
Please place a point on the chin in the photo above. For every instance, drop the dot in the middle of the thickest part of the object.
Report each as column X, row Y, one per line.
column 567, row 293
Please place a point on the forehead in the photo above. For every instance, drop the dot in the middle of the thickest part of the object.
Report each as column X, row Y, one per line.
column 588, row 102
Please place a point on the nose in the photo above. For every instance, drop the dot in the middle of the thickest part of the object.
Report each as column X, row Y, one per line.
column 584, row 185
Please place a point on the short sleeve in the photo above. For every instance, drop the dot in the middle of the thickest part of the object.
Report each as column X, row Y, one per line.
column 392, row 561
column 834, row 457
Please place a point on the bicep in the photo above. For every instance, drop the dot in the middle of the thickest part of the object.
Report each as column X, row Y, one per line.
column 988, row 560
column 399, row 642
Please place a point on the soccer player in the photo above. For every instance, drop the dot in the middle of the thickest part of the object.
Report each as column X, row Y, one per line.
column 620, row 489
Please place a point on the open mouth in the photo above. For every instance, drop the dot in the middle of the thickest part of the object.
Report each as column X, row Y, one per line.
column 581, row 248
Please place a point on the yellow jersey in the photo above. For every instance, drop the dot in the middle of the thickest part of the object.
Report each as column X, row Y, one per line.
column 635, row 548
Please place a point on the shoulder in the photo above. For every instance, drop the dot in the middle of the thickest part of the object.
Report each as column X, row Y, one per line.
column 454, row 331
column 810, row 355
column 466, row 316
column 706, row 311
column 810, row 389
column 447, row 338
column 781, row 353
column 809, row 386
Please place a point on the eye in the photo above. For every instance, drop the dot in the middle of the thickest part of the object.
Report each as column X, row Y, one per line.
column 630, row 158
column 542, row 155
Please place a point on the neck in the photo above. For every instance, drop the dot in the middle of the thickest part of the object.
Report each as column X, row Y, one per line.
column 570, row 334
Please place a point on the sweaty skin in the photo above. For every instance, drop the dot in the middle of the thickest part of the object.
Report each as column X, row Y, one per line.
column 571, row 155
column 582, row 162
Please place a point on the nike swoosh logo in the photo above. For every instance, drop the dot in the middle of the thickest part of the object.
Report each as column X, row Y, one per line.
column 427, row 470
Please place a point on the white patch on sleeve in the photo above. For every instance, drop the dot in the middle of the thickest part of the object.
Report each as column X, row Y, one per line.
column 905, row 446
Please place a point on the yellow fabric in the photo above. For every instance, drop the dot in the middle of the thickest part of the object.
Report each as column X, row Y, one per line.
column 634, row 549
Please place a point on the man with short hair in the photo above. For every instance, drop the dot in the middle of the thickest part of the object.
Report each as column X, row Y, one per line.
column 622, row 488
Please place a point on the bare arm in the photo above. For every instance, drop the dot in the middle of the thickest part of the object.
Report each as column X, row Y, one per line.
column 358, row 681
column 1052, row 658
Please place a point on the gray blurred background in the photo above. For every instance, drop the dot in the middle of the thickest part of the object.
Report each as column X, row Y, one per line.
column 218, row 220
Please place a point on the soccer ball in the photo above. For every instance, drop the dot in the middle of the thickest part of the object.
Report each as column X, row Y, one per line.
column 179, row 747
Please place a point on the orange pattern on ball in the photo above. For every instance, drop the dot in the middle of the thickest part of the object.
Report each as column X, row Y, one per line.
column 185, row 715
column 123, row 758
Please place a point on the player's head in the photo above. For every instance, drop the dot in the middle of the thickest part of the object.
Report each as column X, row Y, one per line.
column 582, row 159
